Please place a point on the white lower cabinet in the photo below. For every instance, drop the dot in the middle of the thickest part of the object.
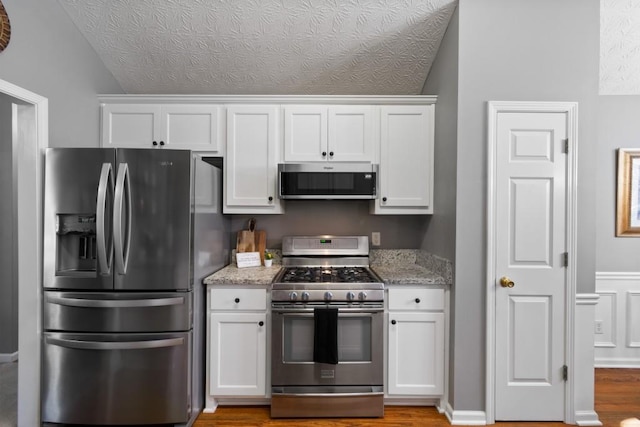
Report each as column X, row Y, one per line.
column 416, row 342
column 236, row 344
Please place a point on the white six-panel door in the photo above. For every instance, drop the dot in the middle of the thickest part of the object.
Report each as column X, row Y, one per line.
column 530, row 214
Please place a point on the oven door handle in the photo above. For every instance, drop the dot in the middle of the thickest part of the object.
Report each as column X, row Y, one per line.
column 329, row 394
column 341, row 311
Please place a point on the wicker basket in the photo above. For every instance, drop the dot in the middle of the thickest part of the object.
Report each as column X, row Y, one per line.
column 5, row 28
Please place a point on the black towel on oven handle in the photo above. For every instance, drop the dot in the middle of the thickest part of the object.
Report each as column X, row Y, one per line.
column 325, row 335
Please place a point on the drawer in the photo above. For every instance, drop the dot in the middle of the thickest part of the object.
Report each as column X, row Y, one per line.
column 416, row 299
column 238, row 299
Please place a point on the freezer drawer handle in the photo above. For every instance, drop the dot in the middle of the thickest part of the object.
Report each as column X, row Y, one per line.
column 78, row 302
column 132, row 345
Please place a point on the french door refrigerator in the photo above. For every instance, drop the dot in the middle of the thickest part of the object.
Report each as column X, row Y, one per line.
column 127, row 232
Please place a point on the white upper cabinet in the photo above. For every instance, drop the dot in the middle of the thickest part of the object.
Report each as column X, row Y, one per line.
column 250, row 167
column 317, row 133
column 406, row 160
column 195, row 127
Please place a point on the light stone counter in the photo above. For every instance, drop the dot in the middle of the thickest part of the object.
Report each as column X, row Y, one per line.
column 407, row 274
column 394, row 266
column 410, row 267
column 232, row 275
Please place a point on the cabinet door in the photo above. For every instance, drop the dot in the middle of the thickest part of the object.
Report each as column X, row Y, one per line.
column 416, row 354
column 406, row 159
column 350, row 133
column 251, row 160
column 131, row 125
column 238, row 365
column 192, row 127
column 305, row 133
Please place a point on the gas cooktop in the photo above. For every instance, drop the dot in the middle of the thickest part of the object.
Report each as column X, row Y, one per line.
column 326, row 269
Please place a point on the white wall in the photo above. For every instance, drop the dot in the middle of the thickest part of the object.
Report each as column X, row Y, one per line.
column 545, row 50
column 619, row 127
column 47, row 55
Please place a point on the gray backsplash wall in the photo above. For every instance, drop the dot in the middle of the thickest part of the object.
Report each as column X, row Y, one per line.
column 312, row 217
column 8, row 262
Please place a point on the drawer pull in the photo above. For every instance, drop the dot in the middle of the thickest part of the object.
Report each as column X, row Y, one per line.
column 261, row 323
column 417, row 300
column 237, row 300
column 393, row 322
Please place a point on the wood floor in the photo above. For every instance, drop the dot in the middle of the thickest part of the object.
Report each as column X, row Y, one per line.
column 617, row 398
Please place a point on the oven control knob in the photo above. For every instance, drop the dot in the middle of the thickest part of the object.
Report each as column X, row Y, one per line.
column 293, row 296
column 328, row 296
column 362, row 296
column 351, row 296
column 305, row 296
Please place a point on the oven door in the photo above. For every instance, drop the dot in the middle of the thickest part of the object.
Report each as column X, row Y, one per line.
column 360, row 348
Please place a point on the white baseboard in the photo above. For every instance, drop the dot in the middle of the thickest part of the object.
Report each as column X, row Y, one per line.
column 8, row 357
column 604, row 362
column 587, row 418
column 618, row 344
column 465, row 418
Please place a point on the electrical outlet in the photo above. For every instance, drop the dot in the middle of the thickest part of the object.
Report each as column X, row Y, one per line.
column 375, row 238
column 599, row 327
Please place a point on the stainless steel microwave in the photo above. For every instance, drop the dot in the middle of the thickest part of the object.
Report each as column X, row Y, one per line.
column 327, row 180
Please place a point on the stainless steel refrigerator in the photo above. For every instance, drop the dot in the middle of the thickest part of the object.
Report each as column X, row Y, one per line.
column 128, row 236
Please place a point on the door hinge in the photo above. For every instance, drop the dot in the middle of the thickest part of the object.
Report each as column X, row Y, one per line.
column 565, row 372
column 565, row 259
column 565, row 146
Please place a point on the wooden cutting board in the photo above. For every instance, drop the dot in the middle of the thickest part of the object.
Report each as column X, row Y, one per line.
column 245, row 241
column 252, row 240
column 260, row 243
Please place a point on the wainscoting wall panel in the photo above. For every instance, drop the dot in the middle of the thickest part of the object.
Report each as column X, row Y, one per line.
column 617, row 320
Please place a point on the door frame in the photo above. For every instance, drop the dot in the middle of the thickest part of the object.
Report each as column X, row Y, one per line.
column 494, row 108
column 30, row 136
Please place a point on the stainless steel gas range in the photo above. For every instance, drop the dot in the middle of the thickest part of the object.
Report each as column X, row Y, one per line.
column 327, row 322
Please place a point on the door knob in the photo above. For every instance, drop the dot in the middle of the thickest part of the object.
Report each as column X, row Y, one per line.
column 505, row 282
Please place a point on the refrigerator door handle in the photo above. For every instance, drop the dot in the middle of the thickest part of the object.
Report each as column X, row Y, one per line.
column 123, row 191
column 135, row 303
column 105, row 254
column 126, row 345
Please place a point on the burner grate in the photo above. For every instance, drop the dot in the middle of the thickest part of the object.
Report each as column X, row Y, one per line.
column 327, row 275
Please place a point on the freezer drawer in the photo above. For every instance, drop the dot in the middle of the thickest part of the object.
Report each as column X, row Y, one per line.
column 117, row 311
column 116, row 379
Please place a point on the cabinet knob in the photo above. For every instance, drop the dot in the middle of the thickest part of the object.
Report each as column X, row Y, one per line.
column 261, row 323
column 330, row 153
column 271, row 198
column 161, row 142
column 155, row 143
column 393, row 322
column 417, row 300
column 384, row 199
column 237, row 300
column 324, row 153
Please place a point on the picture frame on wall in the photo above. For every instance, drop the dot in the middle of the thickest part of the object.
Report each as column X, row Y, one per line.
column 628, row 193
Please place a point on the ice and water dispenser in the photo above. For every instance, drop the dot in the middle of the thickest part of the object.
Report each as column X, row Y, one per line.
column 76, row 244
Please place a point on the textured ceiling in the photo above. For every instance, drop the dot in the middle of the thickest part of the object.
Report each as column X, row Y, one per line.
column 365, row 47
column 620, row 47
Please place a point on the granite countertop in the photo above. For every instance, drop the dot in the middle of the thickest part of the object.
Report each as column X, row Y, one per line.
column 232, row 275
column 407, row 274
column 394, row 266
